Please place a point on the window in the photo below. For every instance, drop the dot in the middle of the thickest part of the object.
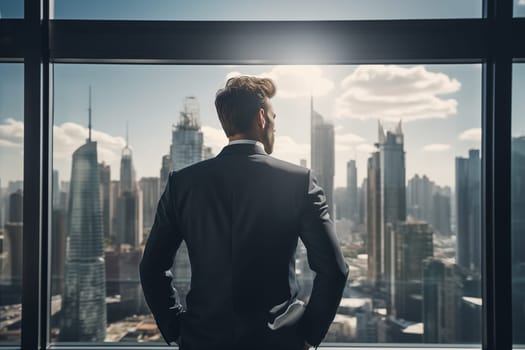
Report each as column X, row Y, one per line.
column 11, row 9
column 517, row 194
column 11, row 195
column 519, row 8
column 129, row 39
column 270, row 10
column 422, row 174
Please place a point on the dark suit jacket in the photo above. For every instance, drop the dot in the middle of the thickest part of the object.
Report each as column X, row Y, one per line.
column 241, row 215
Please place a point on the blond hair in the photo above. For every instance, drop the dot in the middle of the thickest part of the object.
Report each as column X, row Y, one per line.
column 239, row 101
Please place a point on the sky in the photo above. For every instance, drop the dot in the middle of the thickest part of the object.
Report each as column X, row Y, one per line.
column 439, row 105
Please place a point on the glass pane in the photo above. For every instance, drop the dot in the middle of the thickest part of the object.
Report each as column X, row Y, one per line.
column 397, row 149
column 11, row 195
column 519, row 8
column 518, row 204
column 11, row 9
column 268, row 10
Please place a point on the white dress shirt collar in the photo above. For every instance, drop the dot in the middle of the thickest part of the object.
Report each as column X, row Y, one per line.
column 247, row 142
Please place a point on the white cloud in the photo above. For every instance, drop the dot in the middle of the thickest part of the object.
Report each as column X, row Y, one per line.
column 366, row 148
column 214, row 138
column 12, row 133
column 471, row 135
column 391, row 92
column 286, row 148
column 348, row 138
column 436, row 147
column 69, row 136
column 296, row 81
column 521, row 2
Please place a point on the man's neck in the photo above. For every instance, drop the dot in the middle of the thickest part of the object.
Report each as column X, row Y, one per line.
column 237, row 137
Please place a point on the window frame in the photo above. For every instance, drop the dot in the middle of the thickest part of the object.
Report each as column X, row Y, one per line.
column 39, row 42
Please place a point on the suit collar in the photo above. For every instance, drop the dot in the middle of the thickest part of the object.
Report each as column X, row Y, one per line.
column 242, row 148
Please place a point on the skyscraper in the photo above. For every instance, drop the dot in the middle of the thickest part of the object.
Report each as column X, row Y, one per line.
column 164, row 172
column 442, row 210
column 16, row 202
column 419, row 198
column 83, row 302
column 373, row 218
column 386, row 202
column 468, row 197
column 14, row 231
column 187, row 143
column 441, row 302
column 129, row 210
column 127, row 171
column 352, row 192
column 105, row 196
column 518, row 237
column 518, row 200
column 362, row 201
column 58, row 250
column 393, row 191
column 412, row 245
column 150, row 198
column 322, row 156
column 113, row 213
column 186, row 149
column 56, row 189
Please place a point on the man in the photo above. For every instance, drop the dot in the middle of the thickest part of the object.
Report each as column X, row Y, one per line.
column 241, row 215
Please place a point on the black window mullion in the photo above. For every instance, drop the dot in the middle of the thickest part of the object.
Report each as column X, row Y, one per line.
column 32, row 186
column 36, row 175
column 496, row 150
column 47, row 189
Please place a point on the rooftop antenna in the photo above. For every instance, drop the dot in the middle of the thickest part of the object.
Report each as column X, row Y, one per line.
column 127, row 134
column 89, row 109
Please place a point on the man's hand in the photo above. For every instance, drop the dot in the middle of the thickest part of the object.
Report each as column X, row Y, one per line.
column 307, row 346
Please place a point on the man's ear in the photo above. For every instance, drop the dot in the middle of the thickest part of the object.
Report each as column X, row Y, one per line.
column 261, row 119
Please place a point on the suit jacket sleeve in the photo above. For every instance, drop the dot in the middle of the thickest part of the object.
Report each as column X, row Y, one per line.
column 163, row 242
column 326, row 260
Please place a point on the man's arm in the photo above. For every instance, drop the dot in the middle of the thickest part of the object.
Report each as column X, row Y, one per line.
column 163, row 242
column 326, row 260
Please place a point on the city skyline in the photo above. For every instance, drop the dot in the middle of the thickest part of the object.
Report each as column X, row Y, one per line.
column 397, row 148
column 400, row 272
column 429, row 153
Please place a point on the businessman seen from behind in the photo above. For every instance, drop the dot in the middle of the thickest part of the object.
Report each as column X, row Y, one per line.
column 241, row 215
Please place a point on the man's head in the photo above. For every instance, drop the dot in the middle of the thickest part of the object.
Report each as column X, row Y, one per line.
column 245, row 111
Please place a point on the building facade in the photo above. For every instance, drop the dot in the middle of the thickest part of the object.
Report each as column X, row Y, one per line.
column 83, row 302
